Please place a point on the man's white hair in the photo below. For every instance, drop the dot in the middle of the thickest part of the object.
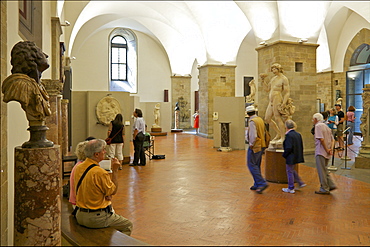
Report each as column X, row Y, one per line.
column 318, row 116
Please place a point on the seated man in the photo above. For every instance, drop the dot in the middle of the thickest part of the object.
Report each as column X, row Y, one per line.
column 94, row 193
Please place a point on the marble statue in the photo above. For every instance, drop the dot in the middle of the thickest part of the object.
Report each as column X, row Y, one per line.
column 279, row 92
column 107, row 109
column 157, row 115
column 339, row 101
column 250, row 98
column 24, row 86
column 365, row 120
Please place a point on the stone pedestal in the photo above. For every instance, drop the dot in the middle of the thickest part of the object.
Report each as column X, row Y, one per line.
column 363, row 161
column 37, row 205
column 225, row 137
column 275, row 170
column 177, row 122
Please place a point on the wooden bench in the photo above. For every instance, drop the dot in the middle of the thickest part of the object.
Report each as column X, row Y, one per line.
column 78, row 235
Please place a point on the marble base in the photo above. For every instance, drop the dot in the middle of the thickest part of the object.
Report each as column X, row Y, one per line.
column 362, row 161
column 158, row 133
column 37, row 202
column 225, row 149
column 275, row 170
column 176, row 130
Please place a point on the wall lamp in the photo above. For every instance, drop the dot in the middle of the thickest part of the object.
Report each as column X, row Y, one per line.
column 66, row 24
column 263, row 43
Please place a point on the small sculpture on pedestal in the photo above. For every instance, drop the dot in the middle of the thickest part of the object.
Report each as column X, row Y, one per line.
column 24, row 86
column 177, row 119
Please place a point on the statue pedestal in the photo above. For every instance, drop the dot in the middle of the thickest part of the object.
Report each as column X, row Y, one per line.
column 362, row 161
column 157, row 131
column 37, row 202
column 275, row 170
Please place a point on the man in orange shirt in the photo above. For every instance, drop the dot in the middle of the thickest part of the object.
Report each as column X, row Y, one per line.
column 94, row 193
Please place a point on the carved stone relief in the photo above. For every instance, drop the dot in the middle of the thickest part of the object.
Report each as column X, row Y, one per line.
column 107, row 109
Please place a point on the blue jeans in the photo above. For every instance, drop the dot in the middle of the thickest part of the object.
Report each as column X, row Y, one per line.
column 254, row 165
column 350, row 134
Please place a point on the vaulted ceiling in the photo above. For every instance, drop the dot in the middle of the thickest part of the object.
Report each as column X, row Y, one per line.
column 212, row 31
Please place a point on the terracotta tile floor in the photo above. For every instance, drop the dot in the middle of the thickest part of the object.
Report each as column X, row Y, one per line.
column 199, row 196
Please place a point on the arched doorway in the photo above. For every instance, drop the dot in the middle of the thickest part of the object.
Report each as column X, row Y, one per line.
column 356, row 77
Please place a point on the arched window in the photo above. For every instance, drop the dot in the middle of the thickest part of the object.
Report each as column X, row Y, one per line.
column 123, row 61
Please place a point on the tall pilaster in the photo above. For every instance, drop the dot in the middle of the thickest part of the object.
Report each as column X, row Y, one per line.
column 56, row 31
column 4, row 130
column 54, row 88
column 214, row 80
column 298, row 61
column 181, row 86
column 65, row 148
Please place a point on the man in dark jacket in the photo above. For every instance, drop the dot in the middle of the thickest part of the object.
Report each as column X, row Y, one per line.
column 293, row 153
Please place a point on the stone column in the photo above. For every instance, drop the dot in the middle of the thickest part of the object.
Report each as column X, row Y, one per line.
column 4, row 180
column 65, row 148
column 298, row 61
column 181, row 86
column 37, row 205
column 54, row 88
column 56, row 31
column 59, row 117
column 214, row 80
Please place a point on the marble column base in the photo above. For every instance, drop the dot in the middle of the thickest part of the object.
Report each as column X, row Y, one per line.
column 37, row 202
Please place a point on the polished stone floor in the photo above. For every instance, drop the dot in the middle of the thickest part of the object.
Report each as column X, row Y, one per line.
column 199, row 196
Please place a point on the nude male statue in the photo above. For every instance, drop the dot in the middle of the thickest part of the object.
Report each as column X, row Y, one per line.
column 279, row 92
column 157, row 115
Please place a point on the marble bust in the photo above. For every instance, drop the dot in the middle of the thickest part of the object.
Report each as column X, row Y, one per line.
column 24, row 84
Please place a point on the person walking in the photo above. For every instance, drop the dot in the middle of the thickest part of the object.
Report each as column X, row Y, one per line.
column 324, row 144
column 116, row 131
column 257, row 144
column 196, row 121
column 351, row 123
column 138, row 139
column 293, row 153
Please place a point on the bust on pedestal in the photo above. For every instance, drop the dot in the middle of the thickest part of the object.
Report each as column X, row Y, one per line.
column 177, row 119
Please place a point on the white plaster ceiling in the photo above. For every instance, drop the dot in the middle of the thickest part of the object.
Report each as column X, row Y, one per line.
column 212, row 31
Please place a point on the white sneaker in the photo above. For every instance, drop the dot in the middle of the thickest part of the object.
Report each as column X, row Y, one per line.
column 288, row 190
column 303, row 185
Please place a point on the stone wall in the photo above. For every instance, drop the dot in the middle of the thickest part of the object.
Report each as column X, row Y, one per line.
column 214, row 80
column 4, row 241
column 302, row 82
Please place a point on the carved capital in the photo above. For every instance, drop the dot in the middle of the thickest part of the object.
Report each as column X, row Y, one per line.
column 53, row 87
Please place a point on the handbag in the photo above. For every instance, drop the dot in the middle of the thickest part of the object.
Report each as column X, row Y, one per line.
column 109, row 139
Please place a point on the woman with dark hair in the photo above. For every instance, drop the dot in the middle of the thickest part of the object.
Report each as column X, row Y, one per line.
column 116, row 131
column 138, row 139
column 351, row 123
